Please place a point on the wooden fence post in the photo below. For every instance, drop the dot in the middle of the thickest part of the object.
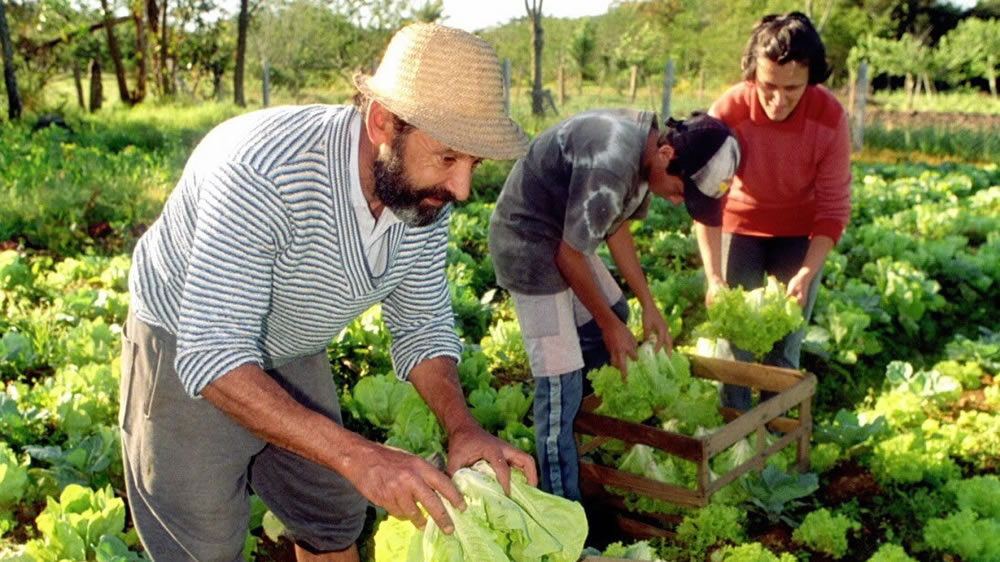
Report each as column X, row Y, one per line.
column 668, row 86
column 858, row 111
column 562, row 85
column 266, row 84
column 506, row 86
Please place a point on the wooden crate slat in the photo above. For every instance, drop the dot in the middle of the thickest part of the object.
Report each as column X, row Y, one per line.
column 679, row 445
column 641, row 485
column 765, row 377
column 756, row 462
column 725, row 437
column 794, row 390
column 782, row 424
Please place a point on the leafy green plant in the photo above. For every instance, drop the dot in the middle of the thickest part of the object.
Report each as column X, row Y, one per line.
column 825, row 532
column 753, row 320
column 709, row 526
column 891, row 553
column 774, row 492
column 846, row 430
column 74, row 526
column 751, row 552
column 13, row 485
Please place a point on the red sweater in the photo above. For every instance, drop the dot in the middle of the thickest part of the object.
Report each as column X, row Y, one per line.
column 794, row 177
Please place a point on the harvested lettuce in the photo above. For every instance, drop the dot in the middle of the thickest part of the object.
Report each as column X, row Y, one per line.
column 528, row 525
column 753, row 320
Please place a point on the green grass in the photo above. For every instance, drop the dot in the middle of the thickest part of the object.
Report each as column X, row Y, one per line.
column 965, row 144
column 961, row 101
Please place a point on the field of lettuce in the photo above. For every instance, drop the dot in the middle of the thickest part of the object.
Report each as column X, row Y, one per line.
column 905, row 342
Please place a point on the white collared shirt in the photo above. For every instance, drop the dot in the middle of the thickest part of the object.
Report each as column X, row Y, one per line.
column 372, row 230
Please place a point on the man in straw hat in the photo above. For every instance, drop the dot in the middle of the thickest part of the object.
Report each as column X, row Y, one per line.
column 579, row 185
column 287, row 224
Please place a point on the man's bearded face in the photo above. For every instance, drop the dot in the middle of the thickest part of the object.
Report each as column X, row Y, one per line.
column 395, row 190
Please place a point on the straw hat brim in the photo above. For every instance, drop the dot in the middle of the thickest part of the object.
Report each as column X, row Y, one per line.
column 496, row 137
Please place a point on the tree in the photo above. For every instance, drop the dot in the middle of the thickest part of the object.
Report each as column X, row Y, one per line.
column 581, row 48
column 430, row 11
column 302, row 40
column 241, row 53
column 14, row 107
column 141, row 51
column 973, row 50
column 116, row 54
column 821, row 22
column 534, row 9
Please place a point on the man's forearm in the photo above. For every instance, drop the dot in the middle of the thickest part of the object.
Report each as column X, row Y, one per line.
column 436, row 380
column 576, row 270
column 710, row 248
column 256, row 401
column 622, row 248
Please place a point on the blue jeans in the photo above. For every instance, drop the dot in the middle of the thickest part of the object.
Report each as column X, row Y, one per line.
column 746, row 260
column 557, row 402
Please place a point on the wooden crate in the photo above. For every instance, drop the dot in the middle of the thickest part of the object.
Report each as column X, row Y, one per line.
column 793, row 388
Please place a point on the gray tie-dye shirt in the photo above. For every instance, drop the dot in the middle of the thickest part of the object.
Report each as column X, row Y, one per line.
column 579, row 181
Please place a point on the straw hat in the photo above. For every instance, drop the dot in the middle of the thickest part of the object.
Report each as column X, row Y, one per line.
column 447, row 83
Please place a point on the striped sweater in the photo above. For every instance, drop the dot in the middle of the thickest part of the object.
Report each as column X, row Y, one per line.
column 257, row 257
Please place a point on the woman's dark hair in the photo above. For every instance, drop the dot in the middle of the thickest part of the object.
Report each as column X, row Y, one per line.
column 786, row 38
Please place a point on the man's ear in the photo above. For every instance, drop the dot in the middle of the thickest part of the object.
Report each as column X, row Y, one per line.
column 379, row 124
column 667, row 152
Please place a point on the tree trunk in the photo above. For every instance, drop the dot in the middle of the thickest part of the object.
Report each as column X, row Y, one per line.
column 96, row 87
column 152, row 35
column 217, row 71
column 78, row 84
column 909, row 87
column 991, row 75
column 166, row 85
column 14, row 105
column 116, row 54
column 633, row 83
column 241, row 53
column 141, row 53
column 819, row 25
column 537, row 41
column 852, row 83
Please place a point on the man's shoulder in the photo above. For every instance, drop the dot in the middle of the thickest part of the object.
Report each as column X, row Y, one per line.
column 605, row 138
column 257, row 138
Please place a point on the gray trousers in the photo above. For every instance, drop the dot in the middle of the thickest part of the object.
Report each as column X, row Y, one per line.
column 189, row 468
column 746, row 260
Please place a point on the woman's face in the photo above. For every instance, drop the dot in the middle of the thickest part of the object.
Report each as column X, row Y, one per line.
column 780, row 86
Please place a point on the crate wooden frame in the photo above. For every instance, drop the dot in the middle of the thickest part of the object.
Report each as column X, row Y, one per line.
column 794, row 389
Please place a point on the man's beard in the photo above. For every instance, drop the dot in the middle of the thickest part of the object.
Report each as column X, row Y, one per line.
column 398, row 193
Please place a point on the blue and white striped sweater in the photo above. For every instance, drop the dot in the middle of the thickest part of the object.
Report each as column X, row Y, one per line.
column 257, row 257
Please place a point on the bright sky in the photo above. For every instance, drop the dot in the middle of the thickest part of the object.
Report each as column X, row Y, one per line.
column 473, row 15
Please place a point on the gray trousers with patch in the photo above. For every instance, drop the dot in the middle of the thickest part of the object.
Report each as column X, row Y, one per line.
column 189, row 467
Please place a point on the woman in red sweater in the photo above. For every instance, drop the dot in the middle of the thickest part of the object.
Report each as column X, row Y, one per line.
column 790, row 199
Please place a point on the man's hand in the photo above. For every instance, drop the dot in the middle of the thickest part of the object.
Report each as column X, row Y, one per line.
column 402, row 482
column 654, row 325
column 436, row 380
column 621, row 344
column 472, row 443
